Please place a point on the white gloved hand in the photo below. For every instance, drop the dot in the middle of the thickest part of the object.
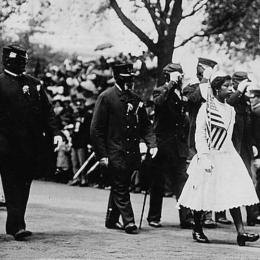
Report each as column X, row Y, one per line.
column 57, row 141
column 243, row 85
column 255, row 151
column 206, row 164
column 175, row 76
column 256, row 163
column 103, row 162
column 207, row 73
column 153, row 151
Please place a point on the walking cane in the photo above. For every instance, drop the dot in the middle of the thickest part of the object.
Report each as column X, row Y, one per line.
column 142, row 214
column 84, row 165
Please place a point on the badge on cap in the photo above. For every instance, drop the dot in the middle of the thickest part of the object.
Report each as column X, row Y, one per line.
column 12, row 55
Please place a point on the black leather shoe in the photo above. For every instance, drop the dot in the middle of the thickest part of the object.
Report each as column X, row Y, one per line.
column 21, row 234
column 224, row 221
column 246, row 237
column 116, row 225
column 131, row 228
column 209, row 223
column 200, row 237
column 187, row 224
column 155, row 224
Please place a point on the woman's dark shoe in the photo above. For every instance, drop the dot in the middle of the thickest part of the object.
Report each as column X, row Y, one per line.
column 200, row 237
column 246, row 237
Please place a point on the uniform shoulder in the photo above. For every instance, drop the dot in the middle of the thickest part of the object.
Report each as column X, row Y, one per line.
column 33, row 79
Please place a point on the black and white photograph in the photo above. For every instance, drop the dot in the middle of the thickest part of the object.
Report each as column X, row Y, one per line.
column 130, row 129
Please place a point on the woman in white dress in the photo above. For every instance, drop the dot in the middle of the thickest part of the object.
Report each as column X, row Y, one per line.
column 218, row 179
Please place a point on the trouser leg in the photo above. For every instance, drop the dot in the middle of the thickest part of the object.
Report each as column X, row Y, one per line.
column 156, row 192
column 185, row 214
column 120, row 196
column 113, row 213
column 74, row 160
column 16, row 191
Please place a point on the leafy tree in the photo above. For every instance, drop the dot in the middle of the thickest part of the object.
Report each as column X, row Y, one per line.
column 237, row 23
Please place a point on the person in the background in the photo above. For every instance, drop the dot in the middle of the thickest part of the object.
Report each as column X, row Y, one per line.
column 80, row 139
column 255, row 108
column 2, row 197
column 243, row 136
column 119, row 122
column 27, row 130
column 171, row 129
column 196, row 94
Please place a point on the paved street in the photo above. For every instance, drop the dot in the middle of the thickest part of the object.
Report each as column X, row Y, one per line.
column 68, row 223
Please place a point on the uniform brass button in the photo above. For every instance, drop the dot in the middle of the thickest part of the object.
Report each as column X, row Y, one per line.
column 127, row 152
column 127, row 126
column 135, row 126
column 127, row 139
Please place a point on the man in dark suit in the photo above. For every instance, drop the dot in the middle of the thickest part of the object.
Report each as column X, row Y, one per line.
column 171, row 128
column 27, row 127
column 119, row 121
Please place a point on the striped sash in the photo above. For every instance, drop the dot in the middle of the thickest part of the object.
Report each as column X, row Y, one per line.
column 216, row 132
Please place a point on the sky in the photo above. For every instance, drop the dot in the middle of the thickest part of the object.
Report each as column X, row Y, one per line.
column 72, row 26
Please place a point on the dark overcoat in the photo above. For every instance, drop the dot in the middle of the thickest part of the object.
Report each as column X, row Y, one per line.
column 27, row 125
column 195, row 99
column 119, row 122
column 243, row 136
column 170, row 123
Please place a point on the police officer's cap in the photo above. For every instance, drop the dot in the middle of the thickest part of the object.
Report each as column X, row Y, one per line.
column 206, row 62
column 14, row 51
column 172, row 67
column 124, row 70
column 239, row 76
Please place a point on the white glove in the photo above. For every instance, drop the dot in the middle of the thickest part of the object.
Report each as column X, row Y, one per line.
column 255, row 151
column 206, row 164
column 243, row 85
column 153, row 152
column 207, row 73
column 175, row 76
column 103, row 162
column 256, row 163
column 57, row 141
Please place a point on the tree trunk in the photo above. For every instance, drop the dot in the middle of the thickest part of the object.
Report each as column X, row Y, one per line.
column 165, row 52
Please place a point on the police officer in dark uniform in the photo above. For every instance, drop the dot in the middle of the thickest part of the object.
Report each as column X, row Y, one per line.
column 171, row 128
column 243, row 136
column 119, row 121
column 27, row 127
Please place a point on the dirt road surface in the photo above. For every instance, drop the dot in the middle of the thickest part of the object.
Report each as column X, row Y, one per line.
column 68, row 223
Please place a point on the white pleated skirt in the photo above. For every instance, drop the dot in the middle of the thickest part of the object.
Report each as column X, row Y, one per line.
column 228, row 186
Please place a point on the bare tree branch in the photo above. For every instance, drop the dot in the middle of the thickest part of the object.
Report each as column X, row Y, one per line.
column 152, row 14
column 175, row 17
column 189, row 39
column 198, row 6
column 133, row 28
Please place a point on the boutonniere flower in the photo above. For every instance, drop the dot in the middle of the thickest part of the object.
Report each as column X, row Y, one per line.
column 129, row 107
column 38, row 87
column 26, row 89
